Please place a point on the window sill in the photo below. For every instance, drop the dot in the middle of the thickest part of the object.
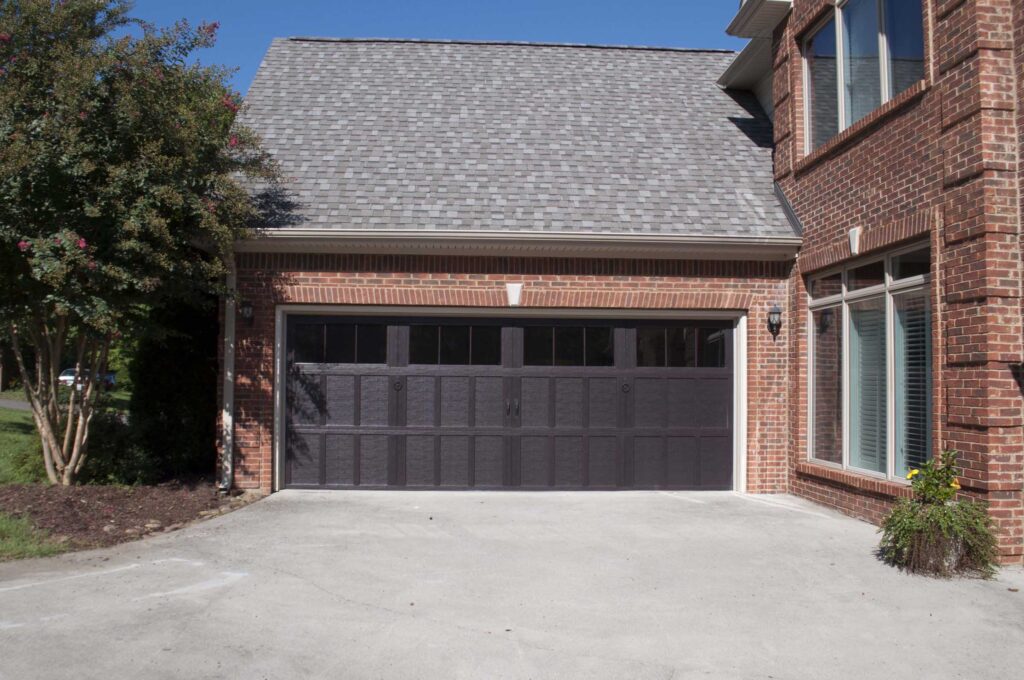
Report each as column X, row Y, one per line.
column 862, row 126
column 854, row 480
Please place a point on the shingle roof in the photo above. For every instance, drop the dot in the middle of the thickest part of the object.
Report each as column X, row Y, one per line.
column 510, row 137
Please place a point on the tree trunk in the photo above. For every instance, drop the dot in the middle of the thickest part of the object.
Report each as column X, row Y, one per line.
column 63, row 427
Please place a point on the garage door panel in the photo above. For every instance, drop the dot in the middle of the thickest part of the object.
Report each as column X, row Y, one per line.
column 305, row 399
column 340, row 460
column 603, row 395
column 420, row 400
column 648, row 461
column 489, row 402
column 650, row 402
column 455, row 401
column 373, row 460
column 489, row 462
column 716, row 462
column 713, row 408
column 682, row 400
column 419, row 460
column 682, row 462
column 455, row 462
column 569, row 462
column 535, row 402
column 569, row 402
column 603, row 463
column 304, row 459
column 374, row 391
column 535, row 462
column 340, row 404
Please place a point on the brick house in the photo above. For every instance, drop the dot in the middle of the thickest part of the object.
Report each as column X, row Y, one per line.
column 795, row 269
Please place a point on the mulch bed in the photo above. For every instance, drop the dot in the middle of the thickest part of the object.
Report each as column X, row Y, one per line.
column 92, row 516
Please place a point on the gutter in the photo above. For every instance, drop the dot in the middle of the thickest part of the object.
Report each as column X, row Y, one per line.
column 496, row 243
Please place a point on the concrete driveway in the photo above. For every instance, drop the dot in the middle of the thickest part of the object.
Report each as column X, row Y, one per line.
column 505, row 585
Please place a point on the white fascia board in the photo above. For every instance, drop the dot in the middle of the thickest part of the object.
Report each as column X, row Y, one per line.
column 749, row 67
column 758, row 18
column 523, row 244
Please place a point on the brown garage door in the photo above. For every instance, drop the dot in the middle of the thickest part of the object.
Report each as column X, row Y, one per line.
column 497, row 404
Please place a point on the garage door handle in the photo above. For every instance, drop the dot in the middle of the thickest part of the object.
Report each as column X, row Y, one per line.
column 508, row 407
column 516, row 402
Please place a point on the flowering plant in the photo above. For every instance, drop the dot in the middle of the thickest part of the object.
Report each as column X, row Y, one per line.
column 936, row 481
column 936, row 533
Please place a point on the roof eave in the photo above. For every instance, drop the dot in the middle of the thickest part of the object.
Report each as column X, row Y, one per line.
column 749, row 66
column 523, row 244
column 758, row 18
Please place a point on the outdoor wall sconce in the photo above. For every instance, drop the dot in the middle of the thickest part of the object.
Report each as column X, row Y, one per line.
column 245, row 311
column 774, row 321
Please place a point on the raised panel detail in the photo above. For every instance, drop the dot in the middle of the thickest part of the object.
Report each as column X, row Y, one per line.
column 650, row 402
column 569, row 462
column 304, row 459
column 305, row 398
column 535, row 468
column 341, row 400
column 603, row 466
column 340, row 459
column 419, row 460
column 454, row 461
column 568, row 402
column 682, row 463
column 373, row 460
column 454, row 402
column 536, row 402
column 489, row 402
column 489, row 461
column 604, row 395
column 373, row 399
column 420, row 400
column 648, row 461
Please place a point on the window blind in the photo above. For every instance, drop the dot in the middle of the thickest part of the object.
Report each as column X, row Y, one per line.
column 912, row 350
column 868, row 385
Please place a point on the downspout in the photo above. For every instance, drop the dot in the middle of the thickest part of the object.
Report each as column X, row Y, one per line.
column 227, row 414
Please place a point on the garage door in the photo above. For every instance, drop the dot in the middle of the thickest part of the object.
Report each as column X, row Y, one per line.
column 498, row 404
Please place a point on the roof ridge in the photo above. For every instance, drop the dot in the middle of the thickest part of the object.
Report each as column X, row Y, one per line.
column 512, row 43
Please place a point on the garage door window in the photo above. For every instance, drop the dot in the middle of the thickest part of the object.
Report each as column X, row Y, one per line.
column 339, row 343
column 432, row 345
column 568, row 346
column 680, row 347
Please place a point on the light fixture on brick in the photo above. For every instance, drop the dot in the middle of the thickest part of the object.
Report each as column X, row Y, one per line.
column 775, row 320
column 245, row 311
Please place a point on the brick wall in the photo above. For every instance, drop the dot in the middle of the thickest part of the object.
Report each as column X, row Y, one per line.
column 269, row 280
column 938, row 162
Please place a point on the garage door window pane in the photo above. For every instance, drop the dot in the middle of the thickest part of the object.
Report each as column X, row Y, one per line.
column 372, row 344
column 486, row 346
column 568, row 346
column 650, row 346
column 711, row 347
column 341, row 343
column 423, row 344
column 537, row 345
column 682, row 347
column 454, row 345
column 828, row 385
column 600, row 347
column 308, row 343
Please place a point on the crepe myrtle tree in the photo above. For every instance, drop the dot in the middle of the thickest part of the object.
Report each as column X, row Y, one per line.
column 120, row 188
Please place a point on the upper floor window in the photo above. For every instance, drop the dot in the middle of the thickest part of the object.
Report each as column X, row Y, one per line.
column 865, row 53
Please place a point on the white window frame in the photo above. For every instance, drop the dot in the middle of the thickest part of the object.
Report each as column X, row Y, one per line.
column 885, row 83
column 889, row 288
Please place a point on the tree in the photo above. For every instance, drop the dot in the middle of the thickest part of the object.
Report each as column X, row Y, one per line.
column 120, row 188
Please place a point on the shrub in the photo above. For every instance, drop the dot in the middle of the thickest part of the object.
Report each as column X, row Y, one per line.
column 933, row 533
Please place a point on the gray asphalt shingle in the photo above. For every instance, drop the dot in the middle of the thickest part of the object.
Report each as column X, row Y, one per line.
column 419, row 135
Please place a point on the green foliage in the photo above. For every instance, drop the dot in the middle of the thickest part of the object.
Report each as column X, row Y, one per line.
column 935, row 481
column 20, row 458
column 934, row 534
column 19, row 539
column 174, row 401
column 120, row 191
column 116, row 456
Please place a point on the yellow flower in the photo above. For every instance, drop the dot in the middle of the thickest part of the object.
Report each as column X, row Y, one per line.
column 913, row 473
column 955, row 484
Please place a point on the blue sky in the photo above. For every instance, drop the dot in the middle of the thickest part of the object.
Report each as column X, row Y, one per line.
column 247, row 26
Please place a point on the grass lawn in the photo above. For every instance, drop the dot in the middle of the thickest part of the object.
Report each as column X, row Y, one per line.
column 119, row 398
column 21, row 461
column 19, row 539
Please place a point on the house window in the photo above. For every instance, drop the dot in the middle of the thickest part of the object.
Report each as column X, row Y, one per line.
column 865, row 53
column 870, row 372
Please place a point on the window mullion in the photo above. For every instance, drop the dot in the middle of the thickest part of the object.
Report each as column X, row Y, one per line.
column 846, row 385
column 890, row 391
